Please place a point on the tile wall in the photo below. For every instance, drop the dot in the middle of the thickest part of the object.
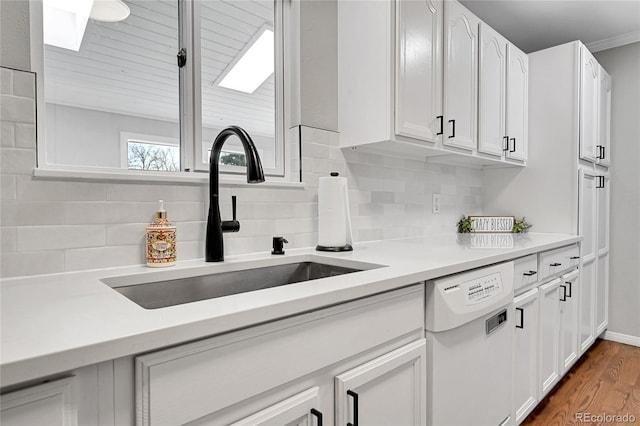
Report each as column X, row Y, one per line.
column 49, row 226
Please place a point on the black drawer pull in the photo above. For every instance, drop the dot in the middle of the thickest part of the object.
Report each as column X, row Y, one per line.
column 318, row 415
column 529, row 274
column 556, row 264
column 569, row 283
column 574, row 257
column 521, row 318
column 355, row 407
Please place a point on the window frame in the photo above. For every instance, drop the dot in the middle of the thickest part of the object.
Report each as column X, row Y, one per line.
column 192, row 166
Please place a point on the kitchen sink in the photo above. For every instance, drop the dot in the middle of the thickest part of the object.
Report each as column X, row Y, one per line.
column 160, row 294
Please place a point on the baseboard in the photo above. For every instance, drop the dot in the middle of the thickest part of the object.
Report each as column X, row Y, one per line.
column 621, row 338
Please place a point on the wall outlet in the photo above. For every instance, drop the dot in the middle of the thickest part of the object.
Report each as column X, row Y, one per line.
column 435, row 204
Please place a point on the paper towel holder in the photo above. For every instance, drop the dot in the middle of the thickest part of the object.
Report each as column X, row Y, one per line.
column 341, row 248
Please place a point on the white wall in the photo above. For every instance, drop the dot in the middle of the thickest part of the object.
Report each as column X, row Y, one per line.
column 623, row 64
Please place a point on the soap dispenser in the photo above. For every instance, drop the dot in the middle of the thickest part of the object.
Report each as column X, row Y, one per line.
column 161, row 240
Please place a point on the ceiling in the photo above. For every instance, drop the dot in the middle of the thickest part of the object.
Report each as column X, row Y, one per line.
column 536, row 24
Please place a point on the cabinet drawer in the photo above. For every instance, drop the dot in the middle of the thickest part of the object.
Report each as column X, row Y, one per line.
column 557, row 261
column 525, row 272
column 181, row 384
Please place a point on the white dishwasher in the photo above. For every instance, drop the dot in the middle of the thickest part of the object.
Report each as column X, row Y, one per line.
column 469, row 344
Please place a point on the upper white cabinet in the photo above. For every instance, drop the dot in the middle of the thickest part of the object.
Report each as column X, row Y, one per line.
column 492, row 135
column 418, row 83
column 517, row 104
column 589, row 103
column 503, row 97
column 408, row 83
column 460, row 76
column 604, row 136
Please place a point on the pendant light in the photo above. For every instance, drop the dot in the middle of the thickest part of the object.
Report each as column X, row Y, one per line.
column 109, row 10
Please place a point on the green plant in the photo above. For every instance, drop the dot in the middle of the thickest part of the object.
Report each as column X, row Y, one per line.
column 520, row 226
column 464, row 225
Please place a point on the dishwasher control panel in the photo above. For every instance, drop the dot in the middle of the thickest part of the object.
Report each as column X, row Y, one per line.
column 482, row 288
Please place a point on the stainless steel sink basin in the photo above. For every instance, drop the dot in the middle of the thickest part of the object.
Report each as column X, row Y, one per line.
column 159, row 294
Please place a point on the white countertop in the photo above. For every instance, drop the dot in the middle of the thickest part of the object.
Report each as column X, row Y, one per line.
column 55, row 323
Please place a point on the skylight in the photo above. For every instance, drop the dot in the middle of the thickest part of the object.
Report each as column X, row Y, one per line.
column 254, row 66
column 64, row 22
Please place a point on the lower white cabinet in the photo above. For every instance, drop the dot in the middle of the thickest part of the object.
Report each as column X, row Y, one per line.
column 569, row 326
column 49, row 403
column 525, row 355
column 549, row 349
column 390, row 390
column 364, row 359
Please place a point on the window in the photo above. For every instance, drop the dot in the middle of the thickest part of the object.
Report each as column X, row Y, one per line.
column 115, row 97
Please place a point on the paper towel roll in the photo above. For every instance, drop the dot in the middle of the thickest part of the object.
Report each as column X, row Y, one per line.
column 334, row 220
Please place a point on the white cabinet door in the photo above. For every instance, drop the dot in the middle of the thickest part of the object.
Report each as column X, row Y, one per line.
column 549, row 354
column 602, row 200
column 389, row 390
column 492, row 92
column 570, row 300
column 419, row 69
column 587, row 214
column 517, row 103
column 602, row 294
column 604, row 138
column 589, row 82
column 298, row 410
column 460, row 76
column 47, row 404
column 525, row 355
column 587, row 282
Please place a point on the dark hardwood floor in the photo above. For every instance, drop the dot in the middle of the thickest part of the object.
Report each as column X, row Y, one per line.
column 600, row 389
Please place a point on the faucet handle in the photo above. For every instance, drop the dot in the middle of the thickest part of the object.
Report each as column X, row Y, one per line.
column 231, row 225
column 233, row 206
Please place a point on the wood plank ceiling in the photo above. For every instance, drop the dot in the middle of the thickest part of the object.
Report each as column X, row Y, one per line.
column 129, row 67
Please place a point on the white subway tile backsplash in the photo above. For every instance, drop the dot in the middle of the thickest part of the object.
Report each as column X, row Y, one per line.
column 7, row 135
column 46, row 190
column 7, row 187
column 74, row 225
column 32, row 238
column 31, row 263
column 103, row 257
column 25, row 135
column 17, row 109
column 8, row 239
column 17, row 161
column 25, row 213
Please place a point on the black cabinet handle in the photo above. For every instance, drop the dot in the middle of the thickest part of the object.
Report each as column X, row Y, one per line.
column 441, row 118
column 529, row 274
column 603, row 155
column 182, row 57
column 556, row 264
column 600, row 182
column 318, row 415
column 521, row 318
column 453, row 128
column 506, row 144
column 355, row 407
column 564, row 293
column 574, row 257
column 569, row 283
column 599, row 154
column 514, row 145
